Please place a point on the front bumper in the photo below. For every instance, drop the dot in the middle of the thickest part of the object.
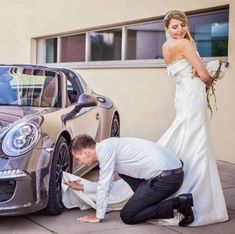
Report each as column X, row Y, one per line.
column 17, row 194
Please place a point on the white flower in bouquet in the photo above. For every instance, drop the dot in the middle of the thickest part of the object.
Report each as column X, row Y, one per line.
column 216, row 69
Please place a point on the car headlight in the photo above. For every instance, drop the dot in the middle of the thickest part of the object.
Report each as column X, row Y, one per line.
column 21, row 139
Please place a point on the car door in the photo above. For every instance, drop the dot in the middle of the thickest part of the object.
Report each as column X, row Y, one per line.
column 87, row 121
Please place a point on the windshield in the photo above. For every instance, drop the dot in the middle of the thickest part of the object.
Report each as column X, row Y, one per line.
column 28, row 87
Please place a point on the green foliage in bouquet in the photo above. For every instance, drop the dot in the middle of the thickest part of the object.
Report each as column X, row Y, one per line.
column 216, row 70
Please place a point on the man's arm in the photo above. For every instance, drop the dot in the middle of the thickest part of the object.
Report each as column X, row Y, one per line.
column 107, row 163
column 105, row 178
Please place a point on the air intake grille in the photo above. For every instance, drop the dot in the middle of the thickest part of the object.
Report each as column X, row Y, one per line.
column 7, row 188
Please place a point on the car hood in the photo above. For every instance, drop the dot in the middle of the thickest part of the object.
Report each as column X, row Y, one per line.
column 9, row 115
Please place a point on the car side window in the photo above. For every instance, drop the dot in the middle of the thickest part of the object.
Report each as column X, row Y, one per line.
column 72, row 93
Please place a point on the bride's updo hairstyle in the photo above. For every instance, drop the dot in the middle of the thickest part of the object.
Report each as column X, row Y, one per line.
column 178, row 15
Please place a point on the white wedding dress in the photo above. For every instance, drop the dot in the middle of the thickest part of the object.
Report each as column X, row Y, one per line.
column 188, row 137
column 119, row 194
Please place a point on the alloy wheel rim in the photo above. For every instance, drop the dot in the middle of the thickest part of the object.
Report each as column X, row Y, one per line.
column 115, row 127
column 63, row 164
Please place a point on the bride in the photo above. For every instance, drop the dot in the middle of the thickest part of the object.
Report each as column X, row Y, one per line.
column 188, row 134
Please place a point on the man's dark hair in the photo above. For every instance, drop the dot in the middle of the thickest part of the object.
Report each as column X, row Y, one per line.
column 82, row 142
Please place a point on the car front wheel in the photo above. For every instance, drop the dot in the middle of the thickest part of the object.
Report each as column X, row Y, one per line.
column 115, row 127
column 61, row 162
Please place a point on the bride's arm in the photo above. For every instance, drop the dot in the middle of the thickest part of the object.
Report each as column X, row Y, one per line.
column 189, row 52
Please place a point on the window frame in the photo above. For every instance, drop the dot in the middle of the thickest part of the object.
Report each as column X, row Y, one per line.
column 123, row 62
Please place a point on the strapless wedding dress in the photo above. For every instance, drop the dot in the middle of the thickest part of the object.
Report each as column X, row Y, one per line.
column 188, row 137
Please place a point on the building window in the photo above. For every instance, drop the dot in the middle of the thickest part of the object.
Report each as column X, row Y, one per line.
column 51, row 50
column 106, row 45
column 144, row 41
column 73, row 48
column 210, row 32
column 140, row 41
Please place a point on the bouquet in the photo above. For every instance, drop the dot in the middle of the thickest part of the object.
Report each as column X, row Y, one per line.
column 216, row 69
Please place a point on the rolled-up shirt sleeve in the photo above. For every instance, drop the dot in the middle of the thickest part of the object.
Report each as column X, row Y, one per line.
column 107, row 163
column 90, row 187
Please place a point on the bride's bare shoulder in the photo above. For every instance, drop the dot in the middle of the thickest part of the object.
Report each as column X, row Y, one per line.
column 173, row 50
column 181, row 43
column 175, row 44
column 167, row 46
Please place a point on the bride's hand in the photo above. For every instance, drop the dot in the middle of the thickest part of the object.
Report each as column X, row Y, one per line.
column 208, row 82
column 194, row 72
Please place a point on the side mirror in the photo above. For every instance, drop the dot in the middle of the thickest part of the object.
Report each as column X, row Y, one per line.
column 84, row 100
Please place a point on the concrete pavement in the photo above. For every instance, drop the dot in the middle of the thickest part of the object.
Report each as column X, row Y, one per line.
column 66, row 223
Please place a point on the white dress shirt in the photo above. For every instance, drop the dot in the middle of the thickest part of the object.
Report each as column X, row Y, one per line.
column 133, row 157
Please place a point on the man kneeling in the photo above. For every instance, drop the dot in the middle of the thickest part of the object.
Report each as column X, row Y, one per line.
column 152, row 171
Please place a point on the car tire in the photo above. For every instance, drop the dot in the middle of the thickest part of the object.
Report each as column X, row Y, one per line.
column 61, row 162
column 115, row 127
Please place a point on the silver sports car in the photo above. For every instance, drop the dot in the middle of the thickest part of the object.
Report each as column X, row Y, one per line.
column 41, row 110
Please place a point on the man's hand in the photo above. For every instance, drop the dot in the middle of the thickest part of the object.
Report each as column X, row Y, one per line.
column 89, row 219
column 75, row 185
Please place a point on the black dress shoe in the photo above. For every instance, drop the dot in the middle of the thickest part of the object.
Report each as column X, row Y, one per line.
column 185, row 208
